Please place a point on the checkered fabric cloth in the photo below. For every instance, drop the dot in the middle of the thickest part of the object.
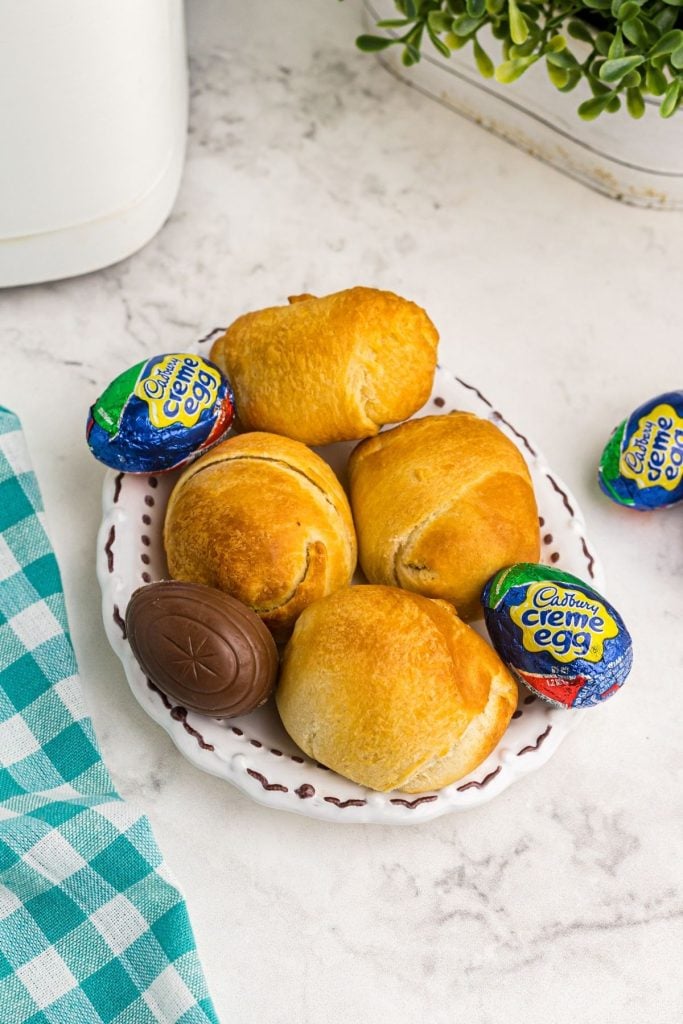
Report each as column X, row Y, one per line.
column 92, row 927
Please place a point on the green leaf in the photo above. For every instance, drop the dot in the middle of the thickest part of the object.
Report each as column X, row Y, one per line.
column 655, row 80
column 371, row 44
column 438, row 44
column 410, row 55
column 590, row 109
column 674, row 3
column 563, row 59
column 437, row 22
column 524, row 49
column 632, row 80
column 597, row 5
column 556, row 44
column 558, row 76
column 598, row 88
column 495, row 6
column 511, row 70
column 665, row 19
column 484, row 63
column 628, row 10
column 476, row 8
column 519, row 30
column 635, row 104
column 603, row 41
column 577, row 30
column 651, row 30
column 677, row 58
column 672, row 98
column 614, row 104
column 573, row 79
column 531, row 11
column 614, row 70
column 636, row 33
column 393, row 22
column 616, row 49
column 465, row 26
column 454, row 42
column 669, row 42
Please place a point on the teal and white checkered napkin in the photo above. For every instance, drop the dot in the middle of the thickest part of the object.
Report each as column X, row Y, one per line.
column 92, row 928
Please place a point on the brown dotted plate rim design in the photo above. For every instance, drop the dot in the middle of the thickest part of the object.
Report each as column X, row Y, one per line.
column 273, row 771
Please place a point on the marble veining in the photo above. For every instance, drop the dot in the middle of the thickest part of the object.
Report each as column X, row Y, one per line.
column 311, row 168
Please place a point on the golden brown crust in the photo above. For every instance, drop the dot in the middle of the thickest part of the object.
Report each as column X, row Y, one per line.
column 441, row 504
column 330, row 369
column 265, row 519
column 485, row 729
column 392, row 690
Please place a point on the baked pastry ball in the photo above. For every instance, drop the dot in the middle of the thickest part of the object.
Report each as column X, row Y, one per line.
column 263, row 518
column 330, row 369
column 392, row 689
column 440, row 505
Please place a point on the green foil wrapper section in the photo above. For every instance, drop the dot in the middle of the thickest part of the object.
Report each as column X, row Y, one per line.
column 610, row 465
column 528, row 572
column 109, row 407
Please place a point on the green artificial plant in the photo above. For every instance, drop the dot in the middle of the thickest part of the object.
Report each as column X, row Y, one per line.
column 628, row 49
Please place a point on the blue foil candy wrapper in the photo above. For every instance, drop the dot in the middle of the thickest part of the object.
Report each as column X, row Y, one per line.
column 642, row 464
column 160, row 413
column 558, row 635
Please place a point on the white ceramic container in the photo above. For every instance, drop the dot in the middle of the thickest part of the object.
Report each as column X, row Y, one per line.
column 637, row 162
column 93, row 123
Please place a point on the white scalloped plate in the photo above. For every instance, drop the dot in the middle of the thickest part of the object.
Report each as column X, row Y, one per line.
column 254, row 752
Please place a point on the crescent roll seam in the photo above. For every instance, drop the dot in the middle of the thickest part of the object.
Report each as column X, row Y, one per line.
column 275, row 462
column 423, row 524
column 363, row 396
column 267, row 609
column 496, row 695
column 262, row 458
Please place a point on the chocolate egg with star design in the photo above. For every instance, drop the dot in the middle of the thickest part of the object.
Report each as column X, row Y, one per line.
column 205, row 650
column 561, row 638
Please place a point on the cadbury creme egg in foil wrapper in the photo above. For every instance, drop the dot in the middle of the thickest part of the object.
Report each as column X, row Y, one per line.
column 160, row 413
column 558, row 635
column 642, row 464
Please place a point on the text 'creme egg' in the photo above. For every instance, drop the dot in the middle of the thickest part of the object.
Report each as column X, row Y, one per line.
column 642, row 464
column 160, row 413
column 558, row 635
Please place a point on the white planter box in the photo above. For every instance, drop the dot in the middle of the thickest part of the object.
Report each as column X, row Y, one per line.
column 638, row 162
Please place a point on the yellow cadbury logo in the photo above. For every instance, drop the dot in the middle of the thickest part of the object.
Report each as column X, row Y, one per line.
column 564, row 622
column 653, row 456
column 178, row 390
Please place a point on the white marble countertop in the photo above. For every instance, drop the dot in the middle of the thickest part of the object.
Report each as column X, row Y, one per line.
column 310, row 168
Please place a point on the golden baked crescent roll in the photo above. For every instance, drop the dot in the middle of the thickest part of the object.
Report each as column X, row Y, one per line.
column 440, row 505
column 263, row 518
column 330, row 369
column 392, row 690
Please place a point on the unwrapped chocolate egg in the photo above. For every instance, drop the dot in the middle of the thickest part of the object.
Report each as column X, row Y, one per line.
column 160, row 413
column 204, row 649
column 558, row 635
column 642, row 464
